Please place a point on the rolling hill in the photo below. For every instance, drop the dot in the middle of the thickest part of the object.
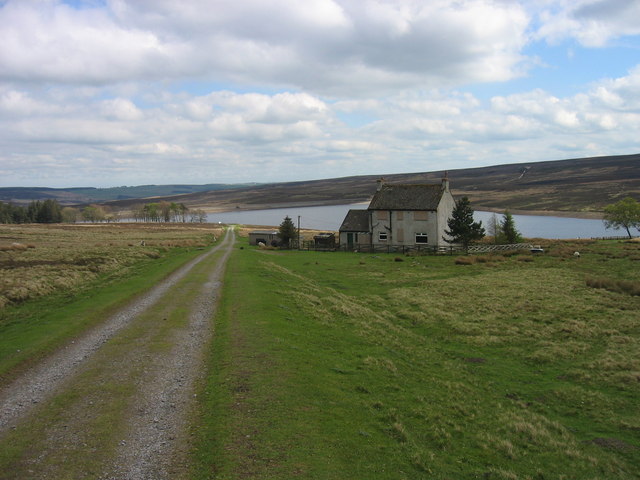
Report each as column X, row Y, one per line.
column 80, row 195
column 577, row 187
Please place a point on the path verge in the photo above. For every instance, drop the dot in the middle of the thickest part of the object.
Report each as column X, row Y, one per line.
column 116, row 399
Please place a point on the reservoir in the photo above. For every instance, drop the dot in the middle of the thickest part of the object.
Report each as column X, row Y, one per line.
column 330, row 218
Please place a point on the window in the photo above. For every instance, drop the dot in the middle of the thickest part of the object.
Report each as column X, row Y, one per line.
column 382, row 236
column 421, row 215
column 381, row 214
column 400, row 215
column 422, row 238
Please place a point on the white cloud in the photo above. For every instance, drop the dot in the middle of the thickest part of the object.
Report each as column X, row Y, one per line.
column 148, row 91
column 593, row 23
column 16, row 103
column 232, row 135
column 48, row 41
column 325, row 46
column 120, row 109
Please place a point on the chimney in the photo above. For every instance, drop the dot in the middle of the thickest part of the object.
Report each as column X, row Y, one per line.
column 380, row 183
column 445, row 182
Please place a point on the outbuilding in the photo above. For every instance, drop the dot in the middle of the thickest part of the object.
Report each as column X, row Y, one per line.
column 355, row 229
column 266, row 237
column 324, row 241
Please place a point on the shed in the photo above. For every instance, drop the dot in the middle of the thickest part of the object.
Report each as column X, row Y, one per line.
column 268, row 237
column 325, row 241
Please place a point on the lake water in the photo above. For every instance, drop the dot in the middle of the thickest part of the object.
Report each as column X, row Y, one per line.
column 330, row 218
column 532, row 226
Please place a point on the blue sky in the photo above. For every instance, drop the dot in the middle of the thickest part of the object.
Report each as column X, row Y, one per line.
column 122, row 92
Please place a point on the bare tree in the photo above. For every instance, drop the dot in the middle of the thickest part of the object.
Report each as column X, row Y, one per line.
column 493, row 228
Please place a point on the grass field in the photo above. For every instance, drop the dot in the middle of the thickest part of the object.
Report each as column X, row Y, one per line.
column 57, row 280
column 334, row 365
column 359, row 366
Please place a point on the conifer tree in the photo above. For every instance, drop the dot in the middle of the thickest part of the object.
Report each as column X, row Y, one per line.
column 287, row 231
column 462, row 228
column 508, row 228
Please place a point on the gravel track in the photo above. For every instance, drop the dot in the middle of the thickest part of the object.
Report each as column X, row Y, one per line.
column 157, row 426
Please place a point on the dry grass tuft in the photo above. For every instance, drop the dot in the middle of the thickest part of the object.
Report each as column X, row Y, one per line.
column 499, row 444
column 619, row 286
column 465, row 260
column 68, row 256
column 491, row 258
column 398, row 432
column 15, row 246
column 381, row 363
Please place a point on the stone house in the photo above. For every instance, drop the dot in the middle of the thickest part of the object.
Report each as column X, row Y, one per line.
column 411, row 215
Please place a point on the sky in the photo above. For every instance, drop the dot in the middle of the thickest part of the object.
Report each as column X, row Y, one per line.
column 105, row 93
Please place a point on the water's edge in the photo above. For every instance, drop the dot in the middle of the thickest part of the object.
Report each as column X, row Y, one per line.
column 330, row 218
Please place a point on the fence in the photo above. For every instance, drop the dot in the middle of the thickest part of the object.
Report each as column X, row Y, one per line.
column 619, row 237
column 403, row 249
column 369, row 248
column 499, row 248
column 413, row 249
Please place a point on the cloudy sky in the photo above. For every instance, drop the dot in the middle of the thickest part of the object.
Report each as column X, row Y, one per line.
column 127, row 92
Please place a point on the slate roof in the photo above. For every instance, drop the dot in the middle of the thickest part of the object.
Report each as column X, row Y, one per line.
column 355, row 221
column 407, row 197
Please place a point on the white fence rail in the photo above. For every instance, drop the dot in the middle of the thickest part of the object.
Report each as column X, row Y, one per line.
column 499, row 248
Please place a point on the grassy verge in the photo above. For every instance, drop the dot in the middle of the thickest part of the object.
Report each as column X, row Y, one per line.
column 77, row 434
column 361, row 366
column 34, row 327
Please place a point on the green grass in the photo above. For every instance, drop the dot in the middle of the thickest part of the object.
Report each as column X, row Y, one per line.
column 30, row 330
column 333, row 365
column 77, row 432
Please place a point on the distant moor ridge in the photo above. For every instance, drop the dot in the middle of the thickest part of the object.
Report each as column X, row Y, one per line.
column 581, row 186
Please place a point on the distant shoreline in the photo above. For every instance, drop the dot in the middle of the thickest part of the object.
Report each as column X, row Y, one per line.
column 547, row 213
column 271, row 206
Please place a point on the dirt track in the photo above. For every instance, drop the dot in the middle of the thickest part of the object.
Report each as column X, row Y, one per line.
column 115, row 403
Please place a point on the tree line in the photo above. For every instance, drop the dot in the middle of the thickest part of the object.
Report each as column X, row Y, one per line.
column 47, row 211
column 50, row 211
column 167, row 212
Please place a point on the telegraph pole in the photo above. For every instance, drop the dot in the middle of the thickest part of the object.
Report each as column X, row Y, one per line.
column 298, row 232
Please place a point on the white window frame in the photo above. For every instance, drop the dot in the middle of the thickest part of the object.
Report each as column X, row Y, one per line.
column 383, row 236
column 426, row 236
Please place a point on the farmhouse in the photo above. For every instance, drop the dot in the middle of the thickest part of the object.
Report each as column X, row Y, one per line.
column 401, row 215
